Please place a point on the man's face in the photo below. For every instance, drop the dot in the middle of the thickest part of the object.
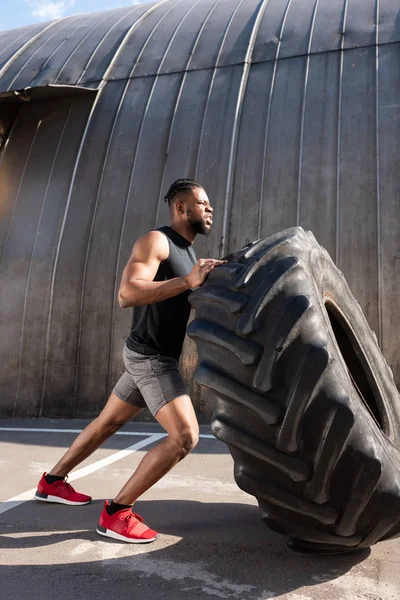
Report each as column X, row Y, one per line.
column 199, row 211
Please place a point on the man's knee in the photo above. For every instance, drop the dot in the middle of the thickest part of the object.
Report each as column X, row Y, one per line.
column 185, row 440
column 110, row 425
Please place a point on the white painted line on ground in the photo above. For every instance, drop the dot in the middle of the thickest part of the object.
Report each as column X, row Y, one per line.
column 49, row 430
column 104, row 462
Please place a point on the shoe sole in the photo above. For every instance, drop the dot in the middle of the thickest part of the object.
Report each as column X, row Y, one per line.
column 57, row 500
column 116, row 536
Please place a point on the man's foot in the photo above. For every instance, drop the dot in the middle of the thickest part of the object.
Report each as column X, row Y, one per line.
column 61, row 492
column 125, row 526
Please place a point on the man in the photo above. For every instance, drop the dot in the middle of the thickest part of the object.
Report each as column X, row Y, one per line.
column 156, row 282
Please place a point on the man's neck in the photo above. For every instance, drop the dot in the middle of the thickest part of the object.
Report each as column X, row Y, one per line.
column 184, row 231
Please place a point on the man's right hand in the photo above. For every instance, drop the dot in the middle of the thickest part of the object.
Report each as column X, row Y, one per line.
column 200, row 271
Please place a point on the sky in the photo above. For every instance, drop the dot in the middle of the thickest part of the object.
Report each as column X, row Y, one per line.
column 25, row 12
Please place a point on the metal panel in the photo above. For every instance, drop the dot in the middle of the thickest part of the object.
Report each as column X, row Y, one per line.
column 69, row 71
column 213, row 35
column 31, row 73
column 6, row 35
column 328, row 26
column 63, row 329
column 51, row 55
column 12, row 171
column 280, row 185
column 389, row 207
column 154, row 53
column 238, row 36
column 141, row 35
column 31, row 51
column 269, row 33
column 186, row 37
column 105, row 52
column 244, row 217
column 357, row 224
column 299, row 27
column 317, row 184
column 8, row 115
column 37, row 289
column 10, row 36
column 389, row 21
column 12, row 41
column 360, row 23
column 22, row 299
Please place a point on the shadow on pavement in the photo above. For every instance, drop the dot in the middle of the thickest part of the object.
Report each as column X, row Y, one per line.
column 205, row 551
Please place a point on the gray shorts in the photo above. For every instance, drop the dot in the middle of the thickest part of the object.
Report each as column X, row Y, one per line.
column 149, row 380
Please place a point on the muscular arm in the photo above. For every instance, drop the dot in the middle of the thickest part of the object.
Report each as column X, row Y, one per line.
column 137, row 285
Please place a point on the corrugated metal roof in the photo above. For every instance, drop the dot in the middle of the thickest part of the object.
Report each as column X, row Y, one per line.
column 159, row 38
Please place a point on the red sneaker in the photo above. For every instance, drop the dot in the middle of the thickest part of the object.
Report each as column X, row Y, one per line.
column 61, row 492
column 125, row 526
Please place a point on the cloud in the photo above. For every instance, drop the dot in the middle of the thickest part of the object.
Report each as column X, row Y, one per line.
column 45, row 10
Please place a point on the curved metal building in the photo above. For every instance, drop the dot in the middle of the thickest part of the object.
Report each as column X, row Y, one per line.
column 288, row 112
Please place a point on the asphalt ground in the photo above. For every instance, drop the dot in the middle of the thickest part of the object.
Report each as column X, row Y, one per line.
column 212, row 543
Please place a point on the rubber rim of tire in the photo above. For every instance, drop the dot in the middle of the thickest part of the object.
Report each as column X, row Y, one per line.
column 301, row 393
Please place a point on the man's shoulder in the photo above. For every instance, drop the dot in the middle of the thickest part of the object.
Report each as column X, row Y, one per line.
column 154, row 242
column 153, row 236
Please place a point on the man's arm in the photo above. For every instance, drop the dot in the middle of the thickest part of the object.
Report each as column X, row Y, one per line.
column 137, row 286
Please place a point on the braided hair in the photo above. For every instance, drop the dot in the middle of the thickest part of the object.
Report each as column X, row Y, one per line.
column 179, row 187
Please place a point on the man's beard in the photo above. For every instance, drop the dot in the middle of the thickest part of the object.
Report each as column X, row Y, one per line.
column 198, row 225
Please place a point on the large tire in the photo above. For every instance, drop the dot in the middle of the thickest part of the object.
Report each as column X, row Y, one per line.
column 301, row 394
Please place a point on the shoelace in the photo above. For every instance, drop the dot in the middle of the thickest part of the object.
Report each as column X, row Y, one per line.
column 132, row 514
column 67, row 485
column 139, row 518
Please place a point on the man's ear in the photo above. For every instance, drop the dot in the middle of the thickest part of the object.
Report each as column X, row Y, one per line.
column 180, row 208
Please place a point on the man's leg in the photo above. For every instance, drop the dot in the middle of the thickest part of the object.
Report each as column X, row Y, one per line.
column 52, row 487
column 179, row 421
column 113, row 416
column 117, row 521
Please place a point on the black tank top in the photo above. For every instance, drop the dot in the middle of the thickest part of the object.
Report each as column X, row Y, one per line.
column 160, row 328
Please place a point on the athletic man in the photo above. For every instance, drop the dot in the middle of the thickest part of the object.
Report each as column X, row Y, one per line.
column 156, row 281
